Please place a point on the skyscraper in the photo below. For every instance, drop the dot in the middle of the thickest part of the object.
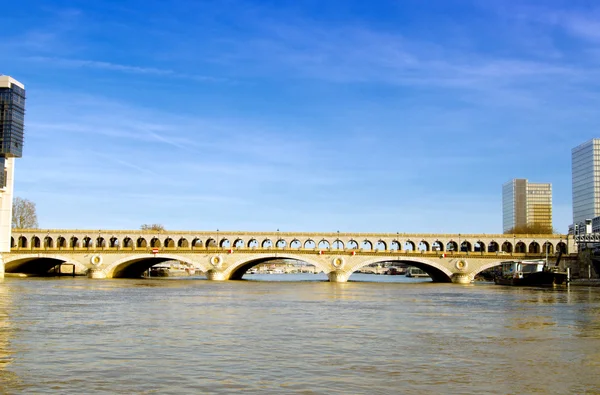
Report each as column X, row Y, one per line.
column 526, row 205
column 585, row 167
column 12, row 116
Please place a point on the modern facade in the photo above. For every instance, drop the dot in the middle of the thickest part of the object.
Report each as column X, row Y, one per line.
column 585, row 167
column 526, row 204
column 12, row 116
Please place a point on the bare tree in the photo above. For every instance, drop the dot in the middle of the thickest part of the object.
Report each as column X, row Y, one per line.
column 24, row 214
column 157, row 227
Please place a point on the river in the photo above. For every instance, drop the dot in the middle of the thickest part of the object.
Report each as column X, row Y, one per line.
column 374, row 335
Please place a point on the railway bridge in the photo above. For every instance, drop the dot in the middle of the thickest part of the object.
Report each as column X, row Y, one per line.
column 227, row 255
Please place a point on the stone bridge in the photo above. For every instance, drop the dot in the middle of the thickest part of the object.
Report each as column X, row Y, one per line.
column 228, row 255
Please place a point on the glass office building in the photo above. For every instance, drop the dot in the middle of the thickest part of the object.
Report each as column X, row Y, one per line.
column 12, row 118
column 585, row 167
column 526, row 204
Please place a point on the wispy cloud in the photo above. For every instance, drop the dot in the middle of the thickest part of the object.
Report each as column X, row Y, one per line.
column 109, row 66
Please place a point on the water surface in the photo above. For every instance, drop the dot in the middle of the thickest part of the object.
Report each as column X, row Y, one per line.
column 191, row 336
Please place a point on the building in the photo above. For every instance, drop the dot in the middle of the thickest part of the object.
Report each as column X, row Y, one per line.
column 585, row 167
column 526, row 204
column 12, row 115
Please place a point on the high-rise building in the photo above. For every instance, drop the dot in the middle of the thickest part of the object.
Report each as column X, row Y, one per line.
column 585, row 167
column 526, row 204
column 12, row 115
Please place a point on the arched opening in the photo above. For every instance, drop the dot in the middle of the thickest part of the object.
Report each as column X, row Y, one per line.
column 22, row 242
column 352, row 245
column 479, row 246
column 197, row 243
column 548, row 248
column 127, row 242
column 48, row 242
column 423, row 246
column 114, row 242
column 338, row 244
column 493, row 247
column 211, row 243
column 562, row 247
column 507, row 247
column 61, row 242
column 100, row 242
column 465, row 246
column 281, row 243
column 534, row 248
column 395, row 245
column 155, row 243
column 169, row 243
column 273, row 265
column 296, row 244
column 137, row 267
column 437, row 246
column 239, row 243
column 45, row 267
column 435, row 274
column 451, row 246
column 183, row 243
column 309, row 244
column 224, row 243
column 74, row 242
column 409, row 246
column 267, row 243
column 323, row 245
column 381, row 246
column 366, row 245
column 141, row 243
column 253, row 243
column 520, row 248
column 87, row 242
column 12, row 242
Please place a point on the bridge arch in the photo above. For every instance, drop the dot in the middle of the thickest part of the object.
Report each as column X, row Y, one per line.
column 87, row 242
column 252, row 243
column 366, row 245
column 424, row 246
column 236, row 270
column 22, row 242
column 352, row 244
column 520, row 248
column 309, row 244
column 437, row 272
column 323, row 244
column 238, row 243
column 409, row 245
column 507, row 247
column 281, row 243
column 493, row 247
column 266, row 243
column 134, row 266
column 141, row 243
column 183, row 243
column 534, row 247
column 33, row 264
column 295, row 244
column 395, row 245
column 127, row 242
column 48, row 242
column 169, row 243
column 381, row 245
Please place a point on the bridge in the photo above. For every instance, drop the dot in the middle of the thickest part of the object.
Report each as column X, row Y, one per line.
column 225, row 255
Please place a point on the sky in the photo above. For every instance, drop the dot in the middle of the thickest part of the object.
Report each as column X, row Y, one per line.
column 331, row 115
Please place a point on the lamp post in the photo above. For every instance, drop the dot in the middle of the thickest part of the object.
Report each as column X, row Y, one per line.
column 217, row 238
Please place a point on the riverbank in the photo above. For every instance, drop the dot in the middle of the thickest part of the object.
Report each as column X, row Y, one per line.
column 584, row 282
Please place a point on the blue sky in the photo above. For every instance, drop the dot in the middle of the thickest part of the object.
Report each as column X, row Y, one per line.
column 379, row 116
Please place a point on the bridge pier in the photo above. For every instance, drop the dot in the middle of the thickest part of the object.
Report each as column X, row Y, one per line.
column 461, row 278
column 338, row 276
column 97, row 274
column 215, row 275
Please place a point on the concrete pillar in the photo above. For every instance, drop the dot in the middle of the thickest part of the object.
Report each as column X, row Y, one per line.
column 338, row 276
column 215, row 275
column 461, row 278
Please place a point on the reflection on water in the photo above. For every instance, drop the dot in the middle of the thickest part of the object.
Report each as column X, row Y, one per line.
column 76, row 335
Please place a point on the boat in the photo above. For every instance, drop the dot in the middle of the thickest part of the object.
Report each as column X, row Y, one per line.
column 415, row 272
column 171, row 269
column 395, row 271
column 531, row 273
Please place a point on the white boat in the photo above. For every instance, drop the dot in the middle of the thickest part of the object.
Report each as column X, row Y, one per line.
column 415, row 272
